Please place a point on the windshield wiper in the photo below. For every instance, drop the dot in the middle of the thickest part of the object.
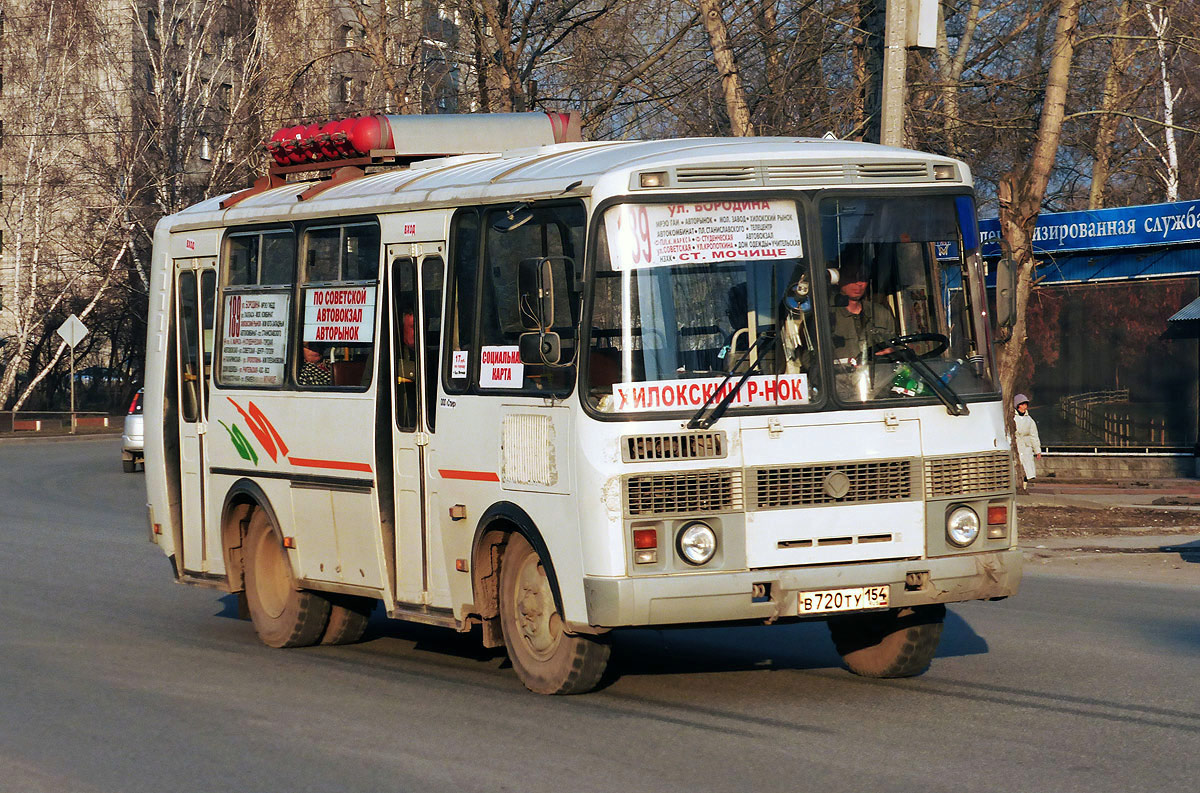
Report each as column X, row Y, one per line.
column 719, row 409
column 941, row 388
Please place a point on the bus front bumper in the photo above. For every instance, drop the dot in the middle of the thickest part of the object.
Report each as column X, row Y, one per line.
column 723, row 597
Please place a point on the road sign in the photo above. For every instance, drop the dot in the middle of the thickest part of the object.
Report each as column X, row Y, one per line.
column 72, row 331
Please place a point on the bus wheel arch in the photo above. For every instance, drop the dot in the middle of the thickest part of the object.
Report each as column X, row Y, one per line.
column 241, row 500
column 517, row 595
column 501, row 521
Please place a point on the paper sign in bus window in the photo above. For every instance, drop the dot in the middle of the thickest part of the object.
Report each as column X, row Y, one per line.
column 254, row 341
column 661, row 235
column 501, row 367
column 458, row 363
column 758, row 391
column 340, row 315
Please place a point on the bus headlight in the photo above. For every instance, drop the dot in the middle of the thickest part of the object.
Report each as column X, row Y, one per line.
column 962, row 526
column 697, row 543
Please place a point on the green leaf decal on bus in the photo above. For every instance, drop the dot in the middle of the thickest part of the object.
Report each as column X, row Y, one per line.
column 244, row 449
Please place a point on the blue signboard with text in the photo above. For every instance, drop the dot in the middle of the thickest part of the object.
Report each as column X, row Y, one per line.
column 1121, row 227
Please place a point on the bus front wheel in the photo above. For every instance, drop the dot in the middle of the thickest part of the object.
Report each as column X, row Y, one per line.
column 896, row 643
column 283, row 615
column 546, row 658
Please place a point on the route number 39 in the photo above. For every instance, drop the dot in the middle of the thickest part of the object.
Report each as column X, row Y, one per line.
column 641, row 236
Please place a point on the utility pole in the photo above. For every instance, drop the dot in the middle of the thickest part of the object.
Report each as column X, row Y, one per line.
column 908, row 24
column 895, row 67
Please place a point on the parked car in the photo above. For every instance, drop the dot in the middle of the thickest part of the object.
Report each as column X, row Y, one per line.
column 133, row 439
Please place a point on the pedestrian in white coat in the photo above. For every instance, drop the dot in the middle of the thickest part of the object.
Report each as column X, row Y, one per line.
column 1029, row 446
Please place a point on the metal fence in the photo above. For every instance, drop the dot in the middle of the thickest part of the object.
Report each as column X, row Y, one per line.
column 53, row 420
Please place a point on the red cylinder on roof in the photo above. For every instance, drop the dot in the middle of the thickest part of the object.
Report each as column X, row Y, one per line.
column 368, row 133
column 325, row 143
column 310, row 144
column 295, row 154
column 338, row 141
column 276, row 147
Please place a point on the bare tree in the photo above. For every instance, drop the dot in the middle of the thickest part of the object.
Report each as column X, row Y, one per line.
column 727, row 68
column 1111, row 100
column 63, row 250
column 1168, row 154
column 1022, row 189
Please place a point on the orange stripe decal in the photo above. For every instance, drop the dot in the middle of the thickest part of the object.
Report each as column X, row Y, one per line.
column 471, row 476
column 333, row 465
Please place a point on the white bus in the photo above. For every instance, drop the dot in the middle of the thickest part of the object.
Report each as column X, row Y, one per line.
column 488, row 374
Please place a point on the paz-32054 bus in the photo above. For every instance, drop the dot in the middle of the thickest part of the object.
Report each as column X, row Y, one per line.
column 487, row 374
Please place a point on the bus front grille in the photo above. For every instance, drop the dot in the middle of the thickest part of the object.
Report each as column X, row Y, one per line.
column 674, row 446
column 683, row 493
column 904, row 170
column 806, row 173
column 958, row 476
column 717, row 174
column 835, row 483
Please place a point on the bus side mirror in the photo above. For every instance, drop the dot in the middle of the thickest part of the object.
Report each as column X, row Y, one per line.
column 546, row 295
column 540, row 348
column 1006, row 293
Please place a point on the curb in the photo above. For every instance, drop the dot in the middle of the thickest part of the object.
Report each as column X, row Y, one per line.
column 1189, row 548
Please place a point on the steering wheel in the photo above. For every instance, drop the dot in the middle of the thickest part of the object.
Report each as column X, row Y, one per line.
column 888, row 350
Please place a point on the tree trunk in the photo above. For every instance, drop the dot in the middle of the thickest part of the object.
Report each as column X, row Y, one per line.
column 1106, row 131
column 766, row 20
column 731, row 81
column 1022, row 190
column 950, row 69
column 1160, row 21
column 499, row 15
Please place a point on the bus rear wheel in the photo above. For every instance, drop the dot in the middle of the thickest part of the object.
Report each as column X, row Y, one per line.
column 348, row 617
column 896, row 643
column 546, row 658
column 283, row 615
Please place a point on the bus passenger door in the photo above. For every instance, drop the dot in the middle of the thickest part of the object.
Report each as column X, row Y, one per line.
column 415, row 310
column 195, row 302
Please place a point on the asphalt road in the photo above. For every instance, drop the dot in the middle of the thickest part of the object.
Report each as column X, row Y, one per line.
column 114, row 678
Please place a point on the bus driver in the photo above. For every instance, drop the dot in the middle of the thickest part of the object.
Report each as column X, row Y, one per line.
column 857, row 322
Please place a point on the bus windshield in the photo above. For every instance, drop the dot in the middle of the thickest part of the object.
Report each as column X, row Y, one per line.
column 905, row 303
column 688, row 298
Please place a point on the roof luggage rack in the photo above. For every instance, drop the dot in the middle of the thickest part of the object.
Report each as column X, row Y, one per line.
column 346, row 147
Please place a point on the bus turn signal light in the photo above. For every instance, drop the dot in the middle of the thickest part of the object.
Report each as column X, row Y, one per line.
column 997, row 518
column 645, row 538
column 645, row 544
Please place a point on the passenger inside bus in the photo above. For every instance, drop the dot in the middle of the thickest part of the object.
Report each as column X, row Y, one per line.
column 406, row 357
column 314, row 370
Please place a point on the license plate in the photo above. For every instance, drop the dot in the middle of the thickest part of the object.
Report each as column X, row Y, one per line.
column 827, row 600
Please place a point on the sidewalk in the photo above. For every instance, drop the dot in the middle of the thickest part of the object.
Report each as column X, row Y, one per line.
column 1156, row 495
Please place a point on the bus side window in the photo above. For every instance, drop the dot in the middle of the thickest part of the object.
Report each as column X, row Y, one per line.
column 338, row 296
column 432, row 276
column 255, row 309
column 460, row 308
column 509, row 300
column 189, row 347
